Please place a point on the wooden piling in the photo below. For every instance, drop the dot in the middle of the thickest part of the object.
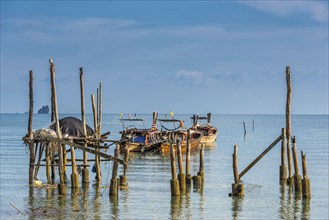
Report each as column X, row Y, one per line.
column 31, row 141
column 283, row 167
column 201, row 167
column 61, row 185
column 85, row 171
column 97, row 158
column 181, row 175
column 188, row 158
column 123, row 178
column 114, row 185
column 297, row 177
column 41, row 150
column 48, row 163
column 253, row 125
column 244, row 128
column 74, row 175
column 174, row 183
column 306, row 186
column 237, row 186
column 290, row 180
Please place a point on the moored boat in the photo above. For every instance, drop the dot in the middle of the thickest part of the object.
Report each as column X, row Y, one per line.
column 140, row 139
column 209, row 132
column 179, row 133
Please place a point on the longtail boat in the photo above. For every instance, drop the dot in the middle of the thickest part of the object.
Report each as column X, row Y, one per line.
column 179, row 133
column 140, row 139
column 209, row 131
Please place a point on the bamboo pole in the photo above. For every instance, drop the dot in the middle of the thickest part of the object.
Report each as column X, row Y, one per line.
column 41, row 149
column 297, row 177
column 98, row 165
column 188, row 158
column 61, row 185
column 97, row 159
column 306, row 186
column 123, row 178
column 288, row 125
column 85, row 171
column 260, row 157
column 181, row 175
column 283, row 167
column 201, row 168
column 29, row 130
column 74, row 175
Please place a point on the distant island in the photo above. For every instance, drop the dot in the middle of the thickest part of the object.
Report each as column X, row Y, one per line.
column 44, row 110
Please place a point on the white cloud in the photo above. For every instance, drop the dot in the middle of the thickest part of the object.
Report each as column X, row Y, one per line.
column 194, row 76
column 318, row 10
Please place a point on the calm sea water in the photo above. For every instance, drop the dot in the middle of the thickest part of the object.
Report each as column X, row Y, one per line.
column 148, row 195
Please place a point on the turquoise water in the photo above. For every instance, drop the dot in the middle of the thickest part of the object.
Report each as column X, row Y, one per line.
column 148, row 195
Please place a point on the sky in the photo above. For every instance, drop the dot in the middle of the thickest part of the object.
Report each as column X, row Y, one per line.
column 224, row 57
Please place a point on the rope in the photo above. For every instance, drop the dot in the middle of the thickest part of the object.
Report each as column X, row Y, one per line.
column 107, row 177
column 170, row 129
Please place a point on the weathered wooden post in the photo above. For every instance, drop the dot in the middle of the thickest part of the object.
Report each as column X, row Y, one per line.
column 85, row 171
column 174, row 183
column 30, row 135
column 181, row 175
column 297, row 177
column 97, row 159
column 188, row 158
column 74, row 175
column 61, row 185
column 37, row 166
column 283, row 167
column 201, row 169
column 306, row 186
column 237, row 186
column 48, row 163
column 244, row 128
column 123, row 178
column 114, row 185
column 253, row 125
column 290, row 179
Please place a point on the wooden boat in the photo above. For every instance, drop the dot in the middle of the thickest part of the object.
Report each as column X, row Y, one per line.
column 179, row 133
column 140, row 139
column 209, row 131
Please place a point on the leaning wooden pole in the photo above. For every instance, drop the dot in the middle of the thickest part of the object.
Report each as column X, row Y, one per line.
column 98, row 165
column 288, row 125
column 61, row 185
column 297, row 177
column 283, row 166
column 97, row 159
column 85, row 171
column 29, row 131
column 260, row 157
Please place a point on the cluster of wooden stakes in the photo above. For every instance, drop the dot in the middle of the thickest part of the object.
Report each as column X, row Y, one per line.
column 53, row 144
column 301, row 185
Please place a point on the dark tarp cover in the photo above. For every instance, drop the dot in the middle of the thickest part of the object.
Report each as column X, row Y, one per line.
column 72, row 126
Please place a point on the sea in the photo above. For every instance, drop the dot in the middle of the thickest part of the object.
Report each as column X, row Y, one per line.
column 148, row 195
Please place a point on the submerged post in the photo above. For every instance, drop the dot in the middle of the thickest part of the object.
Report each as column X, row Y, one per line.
column 174, row 184
column 31, row 141
column 244, row 128
column 297, row 177
column 85, row 171
column 61, row 185
column 290, row 180
column 237, row 186
column 48, row 163
column 188, row 158
column 283, row 167
column 306, row 186
column 181, row 175
column 201, row 168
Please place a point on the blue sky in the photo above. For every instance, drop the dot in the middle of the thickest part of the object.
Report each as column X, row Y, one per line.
column 187, row 56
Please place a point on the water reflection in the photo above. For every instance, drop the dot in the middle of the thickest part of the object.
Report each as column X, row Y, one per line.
column 175, row 207
column 114, row 204
column 290, row 204
column 96, row 201
column 237, row 206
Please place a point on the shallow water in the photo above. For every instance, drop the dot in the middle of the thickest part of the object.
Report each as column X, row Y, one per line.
column 148, row 195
